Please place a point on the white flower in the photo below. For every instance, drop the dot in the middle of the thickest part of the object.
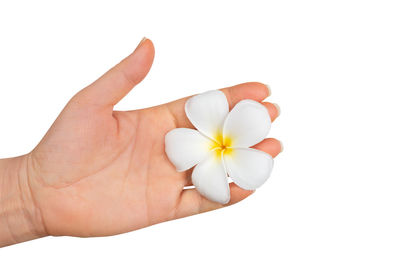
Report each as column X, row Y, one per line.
column 220, row 148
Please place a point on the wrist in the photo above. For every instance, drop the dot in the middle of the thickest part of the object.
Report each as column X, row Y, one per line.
column 20, row 218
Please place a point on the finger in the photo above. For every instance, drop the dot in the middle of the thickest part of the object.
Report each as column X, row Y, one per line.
column 110, row 88
column 273, row 109
column 252, row 90
column 192, row 202
column 271, row 146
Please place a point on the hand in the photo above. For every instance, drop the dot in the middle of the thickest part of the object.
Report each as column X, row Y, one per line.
column 102, row 172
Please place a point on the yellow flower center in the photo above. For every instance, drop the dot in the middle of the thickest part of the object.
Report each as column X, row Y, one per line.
column 221, row 145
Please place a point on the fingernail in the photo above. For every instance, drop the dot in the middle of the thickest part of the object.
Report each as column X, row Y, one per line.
column 142, row 41
column 278, row 108
column 269, row 89
column 281, row 145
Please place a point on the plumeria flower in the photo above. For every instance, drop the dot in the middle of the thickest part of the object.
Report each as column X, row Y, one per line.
column 220, row 147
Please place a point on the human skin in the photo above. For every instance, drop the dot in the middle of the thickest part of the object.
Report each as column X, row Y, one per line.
column 100, row 172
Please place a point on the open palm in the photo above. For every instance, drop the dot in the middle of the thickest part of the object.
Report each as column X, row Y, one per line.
column 101, row 172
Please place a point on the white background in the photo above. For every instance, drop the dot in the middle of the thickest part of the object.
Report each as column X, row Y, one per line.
column 333, row 66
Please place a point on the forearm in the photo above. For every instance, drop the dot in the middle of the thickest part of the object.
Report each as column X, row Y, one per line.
column 19, row 218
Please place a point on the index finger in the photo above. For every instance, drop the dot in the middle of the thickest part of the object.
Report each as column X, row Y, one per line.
column 251, row 90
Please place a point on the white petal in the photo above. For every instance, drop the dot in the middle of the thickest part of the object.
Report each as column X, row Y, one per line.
column 209, row 178
column 247, row 124
column 186, row 147
column 248, row 168
column 207, row 112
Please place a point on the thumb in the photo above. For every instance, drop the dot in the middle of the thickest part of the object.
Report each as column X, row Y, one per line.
column 110, row 88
